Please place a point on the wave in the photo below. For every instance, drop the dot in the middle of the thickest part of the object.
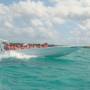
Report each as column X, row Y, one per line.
column 14, row 54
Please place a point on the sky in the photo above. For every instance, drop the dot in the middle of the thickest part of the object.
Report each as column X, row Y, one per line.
column 65, row 22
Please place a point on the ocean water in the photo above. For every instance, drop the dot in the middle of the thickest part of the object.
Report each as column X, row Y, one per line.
column 71, row 72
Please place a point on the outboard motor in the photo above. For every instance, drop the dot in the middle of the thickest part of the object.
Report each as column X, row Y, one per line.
column 2, row 46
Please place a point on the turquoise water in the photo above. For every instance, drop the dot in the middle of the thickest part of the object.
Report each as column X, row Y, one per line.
column 71, row 72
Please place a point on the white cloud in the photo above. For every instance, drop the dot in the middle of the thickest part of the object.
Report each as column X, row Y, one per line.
column 3, row 9
column 35, row 20
column 75, row 7
column 82, row 33
column 37, row 23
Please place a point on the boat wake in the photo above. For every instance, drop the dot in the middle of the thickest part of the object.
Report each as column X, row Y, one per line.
column 14, row 54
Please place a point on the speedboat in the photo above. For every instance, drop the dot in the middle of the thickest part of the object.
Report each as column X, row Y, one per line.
column 44, row 49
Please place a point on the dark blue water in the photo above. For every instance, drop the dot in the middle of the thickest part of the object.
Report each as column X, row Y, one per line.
column 71, row 72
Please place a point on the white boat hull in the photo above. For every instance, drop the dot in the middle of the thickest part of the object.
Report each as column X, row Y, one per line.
column 51, row 51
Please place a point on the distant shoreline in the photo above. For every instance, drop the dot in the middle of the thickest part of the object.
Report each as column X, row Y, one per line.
column 85, row 46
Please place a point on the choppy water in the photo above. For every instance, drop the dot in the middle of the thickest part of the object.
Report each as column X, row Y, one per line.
column 71, row 72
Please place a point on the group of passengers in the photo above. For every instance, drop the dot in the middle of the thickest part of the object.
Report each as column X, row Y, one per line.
column 17, row 46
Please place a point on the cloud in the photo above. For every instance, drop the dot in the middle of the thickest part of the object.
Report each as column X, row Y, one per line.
column 81, row 34
column 3, row 9
column 34, row 21
column 73, row 8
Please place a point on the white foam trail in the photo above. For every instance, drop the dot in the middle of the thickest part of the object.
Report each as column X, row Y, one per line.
column 14, row 54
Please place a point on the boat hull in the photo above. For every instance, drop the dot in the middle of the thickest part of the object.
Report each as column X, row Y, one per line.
column 51, row 51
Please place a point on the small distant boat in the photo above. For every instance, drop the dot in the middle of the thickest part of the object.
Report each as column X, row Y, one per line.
column 44, row 49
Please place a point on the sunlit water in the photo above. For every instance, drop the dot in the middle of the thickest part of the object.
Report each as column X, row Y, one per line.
column 71, row 72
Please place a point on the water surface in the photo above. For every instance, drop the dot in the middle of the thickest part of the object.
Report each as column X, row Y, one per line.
column 71, row 72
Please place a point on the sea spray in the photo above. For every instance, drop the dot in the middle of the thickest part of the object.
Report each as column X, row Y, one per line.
column 14, row 54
